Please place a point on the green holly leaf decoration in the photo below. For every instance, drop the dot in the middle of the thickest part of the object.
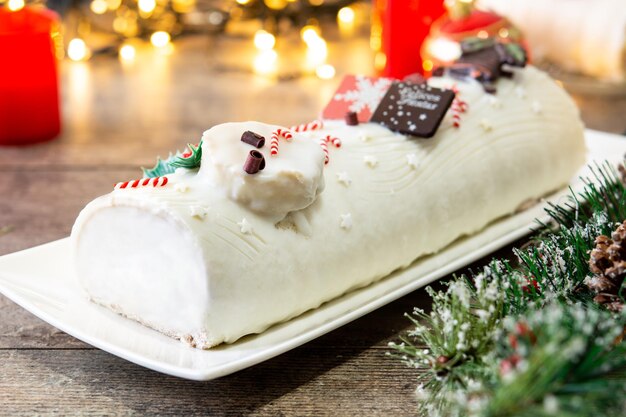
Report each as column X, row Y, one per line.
column 162, row 167
column 190, row 159
column 517, row 52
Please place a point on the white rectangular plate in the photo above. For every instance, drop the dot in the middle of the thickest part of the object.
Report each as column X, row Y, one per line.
column 41, row 280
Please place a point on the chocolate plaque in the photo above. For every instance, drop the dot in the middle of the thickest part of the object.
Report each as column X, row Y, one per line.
column 413, row 109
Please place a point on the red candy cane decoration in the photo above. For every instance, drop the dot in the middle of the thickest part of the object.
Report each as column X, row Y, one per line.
column 307, row 127
column 335, row 141
column 324, row 144
column 278, row 133
column 144, row 182
column 325, row 150
column 458, row 106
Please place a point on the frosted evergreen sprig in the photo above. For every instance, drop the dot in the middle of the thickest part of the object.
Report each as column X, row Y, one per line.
column 189, row 159
column 559, row 360
column 457, row 342
column 459, row 335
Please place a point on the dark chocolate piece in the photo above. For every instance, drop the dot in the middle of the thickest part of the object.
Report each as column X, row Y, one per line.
column 512, row 54
column 413, row 109
column 484, row 60
column 352, row 118
column 254, row 163
column 253, row 139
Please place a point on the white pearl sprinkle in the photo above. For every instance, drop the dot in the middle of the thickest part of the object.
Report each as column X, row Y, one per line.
column 495, row 102
column 411, row 160
column 346, row 221
column 344, row 179
column 370, row 161
column 199, row 212
column 536, row 107
column 181, row 187
column 484, row 123
column 244, row 226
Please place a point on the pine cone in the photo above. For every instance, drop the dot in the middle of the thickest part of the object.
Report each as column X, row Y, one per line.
column 600, row 284
column 619, row 235
column 599, row 259
column 607, row 261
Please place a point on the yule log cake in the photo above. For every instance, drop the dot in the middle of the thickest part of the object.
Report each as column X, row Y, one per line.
column 261, row 223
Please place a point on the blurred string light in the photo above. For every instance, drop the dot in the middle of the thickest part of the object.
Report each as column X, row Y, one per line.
column 276, row 4
column 264, row 40
column 15, row 5
column 99, row 6
column 309, row 32
column 265, row 62
column 133, row 22
column 146, row 6
column 127, row 53
column 317, row 50
column 160, row 39
column 346, row 15
column 77, row 50
column 113, row 4
column 325, row 72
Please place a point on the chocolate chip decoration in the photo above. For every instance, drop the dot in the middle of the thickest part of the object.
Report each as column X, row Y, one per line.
column 352, row 118
column 412, row 109
column 253, row 139
column 254, row 163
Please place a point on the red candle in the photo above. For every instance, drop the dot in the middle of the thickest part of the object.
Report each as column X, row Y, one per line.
column 29, row 93
column 398, row 30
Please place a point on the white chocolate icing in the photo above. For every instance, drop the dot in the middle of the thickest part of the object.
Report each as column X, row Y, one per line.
column 215, row 278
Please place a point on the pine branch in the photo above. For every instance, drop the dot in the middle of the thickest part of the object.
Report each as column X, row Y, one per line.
column 557, row 360
column 466, row 323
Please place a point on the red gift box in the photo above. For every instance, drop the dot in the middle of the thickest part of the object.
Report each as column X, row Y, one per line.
column 29, row 92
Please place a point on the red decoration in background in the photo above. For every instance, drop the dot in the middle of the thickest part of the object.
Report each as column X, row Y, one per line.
column 359, row 94
column 399, row 28
column 443, row 44
column 29, row 96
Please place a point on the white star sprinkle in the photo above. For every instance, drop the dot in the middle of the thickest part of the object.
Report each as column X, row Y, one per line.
column 364, row 137
column 484, row 123
column 495, row 102
column 244, row 226
column 520, row 92
column 198, row 211
column 346, row 221
column 344, row 179
column 411, row 159
column 422, row 116
column 536, row 107
column 181, row 187
column 370, row 161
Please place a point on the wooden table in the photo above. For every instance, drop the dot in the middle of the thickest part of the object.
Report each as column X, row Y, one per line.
column 118, row 118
